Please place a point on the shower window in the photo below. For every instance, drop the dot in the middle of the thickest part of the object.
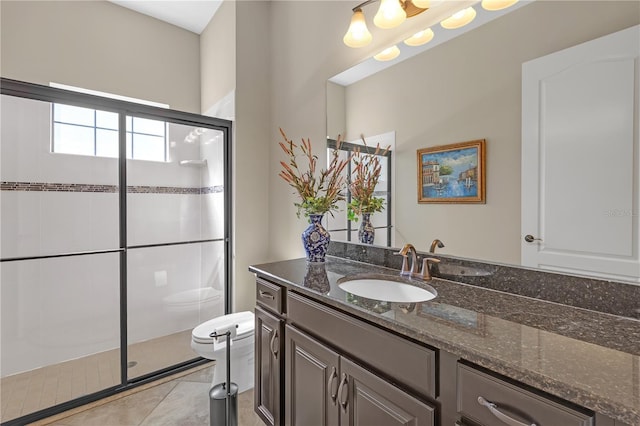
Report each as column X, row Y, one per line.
column 91, row 132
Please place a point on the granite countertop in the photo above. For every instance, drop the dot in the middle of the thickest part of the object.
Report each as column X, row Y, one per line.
column 589, row 358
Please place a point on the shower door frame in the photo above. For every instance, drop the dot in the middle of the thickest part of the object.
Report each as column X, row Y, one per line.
column 33, row 91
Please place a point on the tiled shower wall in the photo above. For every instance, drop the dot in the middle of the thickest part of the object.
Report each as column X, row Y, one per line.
column 62, row 308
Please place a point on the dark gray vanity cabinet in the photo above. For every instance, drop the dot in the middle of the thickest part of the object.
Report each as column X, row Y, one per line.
column 487, row 400
column 325, row 388
column 268, row 367
column 317, row 365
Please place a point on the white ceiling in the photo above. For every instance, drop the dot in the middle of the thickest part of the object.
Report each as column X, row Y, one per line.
column 192, row 15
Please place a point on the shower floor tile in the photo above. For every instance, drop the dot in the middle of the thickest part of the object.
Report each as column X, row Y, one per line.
column 182, row 401
column 25, row 393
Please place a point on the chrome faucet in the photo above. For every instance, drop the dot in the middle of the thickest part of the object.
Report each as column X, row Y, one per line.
column 413, row 271
column 435, row 243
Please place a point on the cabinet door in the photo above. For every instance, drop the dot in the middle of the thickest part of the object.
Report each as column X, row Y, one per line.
column 366, row 400
column 312, row 376
column 268, row 364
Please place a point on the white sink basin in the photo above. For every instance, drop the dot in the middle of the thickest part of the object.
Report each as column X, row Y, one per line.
column 382, row 287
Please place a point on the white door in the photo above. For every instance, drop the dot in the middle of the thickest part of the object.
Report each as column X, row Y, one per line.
column 580, row 157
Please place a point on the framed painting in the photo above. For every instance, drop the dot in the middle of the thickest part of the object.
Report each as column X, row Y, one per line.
column 452, row 173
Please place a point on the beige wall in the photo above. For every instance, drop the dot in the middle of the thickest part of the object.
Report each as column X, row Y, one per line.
column 470, row 88
column 218, row 56
column 306, row 49
column 336, row 112
column 285, row 52
column 251, row 147
column 101, row 46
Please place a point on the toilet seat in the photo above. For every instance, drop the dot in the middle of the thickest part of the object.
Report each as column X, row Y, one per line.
column 245, row 321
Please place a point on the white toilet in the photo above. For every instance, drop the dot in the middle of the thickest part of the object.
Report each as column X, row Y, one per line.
column 241, row 348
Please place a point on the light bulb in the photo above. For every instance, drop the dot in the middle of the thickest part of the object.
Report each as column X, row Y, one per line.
column 420, row 38
column 427, row 4
column 388, row 54
column 390, row 14
column 358, row 34
column 494, row 5
column 422, row 4
column 459, row 19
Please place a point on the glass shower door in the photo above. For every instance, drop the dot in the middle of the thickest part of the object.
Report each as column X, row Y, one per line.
column 175, row 239
column 60, row 256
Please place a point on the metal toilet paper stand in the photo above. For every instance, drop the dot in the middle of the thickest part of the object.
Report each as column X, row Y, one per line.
column 223, row 397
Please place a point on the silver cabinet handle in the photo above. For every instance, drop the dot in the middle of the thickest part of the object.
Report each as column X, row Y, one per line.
column 274, row 350
column 333, row 383
column 493, row 408
column 266, row 295
column 530, row 238
column 343, row 384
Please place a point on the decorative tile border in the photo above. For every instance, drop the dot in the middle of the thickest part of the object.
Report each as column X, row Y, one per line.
column 212, row 189
column 56, row 187
column 81, row 187
column 162, row 190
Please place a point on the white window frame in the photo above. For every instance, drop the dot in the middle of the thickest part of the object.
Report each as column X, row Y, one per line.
column 130, row 134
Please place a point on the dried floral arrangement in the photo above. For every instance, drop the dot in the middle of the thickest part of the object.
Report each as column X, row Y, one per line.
column 318, row 194
column 364, row 179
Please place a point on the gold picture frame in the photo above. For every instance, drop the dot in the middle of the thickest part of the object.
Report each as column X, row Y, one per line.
column 453, row 173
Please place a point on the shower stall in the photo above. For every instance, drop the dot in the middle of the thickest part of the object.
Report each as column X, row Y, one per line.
column 114, row 244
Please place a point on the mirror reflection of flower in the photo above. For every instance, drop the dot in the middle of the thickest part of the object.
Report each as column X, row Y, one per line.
column 363, row 181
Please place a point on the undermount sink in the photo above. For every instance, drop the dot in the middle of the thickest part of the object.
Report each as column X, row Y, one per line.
column 386, row 288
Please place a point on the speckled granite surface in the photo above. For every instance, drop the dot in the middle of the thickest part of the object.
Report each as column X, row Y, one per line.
column 617, row 298
column 586, row 357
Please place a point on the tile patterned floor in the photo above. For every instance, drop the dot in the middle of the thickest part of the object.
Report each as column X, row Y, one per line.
column 25, row 393
column 182, row 401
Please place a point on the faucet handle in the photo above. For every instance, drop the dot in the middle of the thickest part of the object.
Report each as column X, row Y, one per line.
column 425, row 267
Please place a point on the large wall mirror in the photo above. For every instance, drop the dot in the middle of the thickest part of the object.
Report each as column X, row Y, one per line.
column 469, row 88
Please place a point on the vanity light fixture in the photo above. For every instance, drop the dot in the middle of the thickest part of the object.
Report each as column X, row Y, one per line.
column 358, row 34
column 459, row 19
column 388, row 54
column 493, row 5
column 390, row 14
column 420, row 38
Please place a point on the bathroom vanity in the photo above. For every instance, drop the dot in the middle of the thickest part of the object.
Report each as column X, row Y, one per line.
column 471, row 356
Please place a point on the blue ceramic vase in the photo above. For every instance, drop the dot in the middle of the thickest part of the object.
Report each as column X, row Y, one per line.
column 366, row 233
column 315, row 239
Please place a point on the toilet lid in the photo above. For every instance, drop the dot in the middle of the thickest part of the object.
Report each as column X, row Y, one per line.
column 244, row 320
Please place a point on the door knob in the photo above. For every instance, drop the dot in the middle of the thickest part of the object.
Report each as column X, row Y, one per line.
column 530, row 238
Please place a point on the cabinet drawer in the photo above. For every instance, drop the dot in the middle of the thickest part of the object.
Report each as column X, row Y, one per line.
column 411, row 365
column 489, row 400
column 270, row 295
